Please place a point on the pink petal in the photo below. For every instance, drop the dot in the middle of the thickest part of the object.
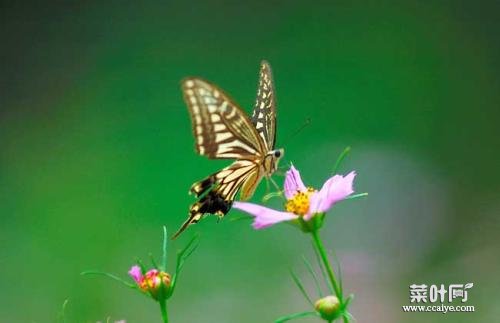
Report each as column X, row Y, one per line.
column 136, row 273
column 152, row 278
column 293, row 183
column 152, row 272
column 264, row 217
column 334, row 190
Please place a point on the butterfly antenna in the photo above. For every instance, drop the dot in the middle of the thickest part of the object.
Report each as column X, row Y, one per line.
column 306, row 123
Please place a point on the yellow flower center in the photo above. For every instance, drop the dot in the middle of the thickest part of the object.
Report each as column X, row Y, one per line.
column 299, row 203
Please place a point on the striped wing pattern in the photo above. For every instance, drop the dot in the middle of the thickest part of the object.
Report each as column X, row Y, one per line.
column 228, row 180
column 264, row 113
column 222, row 130
column 217, row 192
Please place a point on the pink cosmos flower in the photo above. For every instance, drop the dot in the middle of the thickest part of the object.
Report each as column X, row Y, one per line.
column 302, row 201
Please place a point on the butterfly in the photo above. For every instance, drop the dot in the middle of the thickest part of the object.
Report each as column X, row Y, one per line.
column 222, row 130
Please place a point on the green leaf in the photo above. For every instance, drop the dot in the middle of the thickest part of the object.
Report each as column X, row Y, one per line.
column 182, row 255
column 313, row 274
column 355, row 196
column 345, row 314
column 297, row 281
column 339, row 269
column 295, row 316
column 348, row 317
column 141, row 265
column 341, row 157
column 348, row 300
column 118, row 279
column 164, row 250
column 153, row 261
column 323, row 271
column 61, row 316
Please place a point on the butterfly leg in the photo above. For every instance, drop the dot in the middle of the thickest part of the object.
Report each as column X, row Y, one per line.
column 268, row 186
column 278, row 189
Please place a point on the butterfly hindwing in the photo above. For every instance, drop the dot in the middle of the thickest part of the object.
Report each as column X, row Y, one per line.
column 264, row 113
column 216, row 192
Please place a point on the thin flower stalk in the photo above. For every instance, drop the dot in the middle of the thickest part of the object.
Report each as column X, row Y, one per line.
column 326, row 263
column 306, row 208
column 156, row 282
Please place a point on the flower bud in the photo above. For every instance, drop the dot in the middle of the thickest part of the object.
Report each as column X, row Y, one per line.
column 156, row 283
column 328, row 307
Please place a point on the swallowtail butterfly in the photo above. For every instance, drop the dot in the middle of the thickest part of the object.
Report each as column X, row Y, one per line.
column 222, row 130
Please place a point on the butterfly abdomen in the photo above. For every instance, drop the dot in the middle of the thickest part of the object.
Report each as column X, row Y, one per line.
column 212, row 203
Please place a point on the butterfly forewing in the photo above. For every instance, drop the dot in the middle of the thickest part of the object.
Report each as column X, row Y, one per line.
column 264, row 113
column 221, row 129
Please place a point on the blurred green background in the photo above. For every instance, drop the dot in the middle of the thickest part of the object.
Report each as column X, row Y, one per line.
column 97, row 152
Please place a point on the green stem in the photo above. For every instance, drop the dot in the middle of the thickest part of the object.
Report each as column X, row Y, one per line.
column 164, row 313
column 326, row 263
column 324, row 258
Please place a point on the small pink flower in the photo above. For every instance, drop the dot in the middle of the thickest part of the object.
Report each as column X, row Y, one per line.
column 301, row 201
column 136, row 273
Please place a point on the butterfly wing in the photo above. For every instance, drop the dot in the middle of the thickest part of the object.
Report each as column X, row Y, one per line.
column 221, row 129
column 264, row 113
